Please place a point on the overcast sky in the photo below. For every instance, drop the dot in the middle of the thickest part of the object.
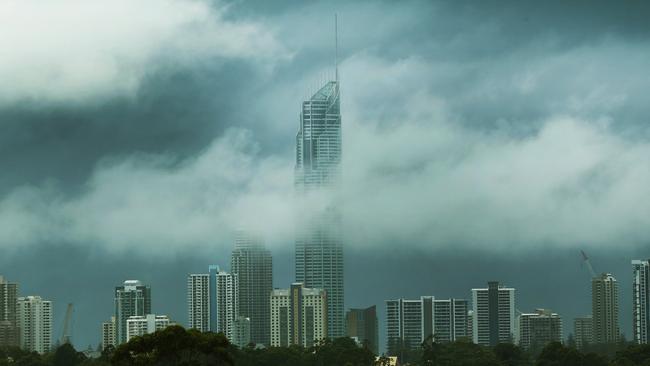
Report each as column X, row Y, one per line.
column 481, row 140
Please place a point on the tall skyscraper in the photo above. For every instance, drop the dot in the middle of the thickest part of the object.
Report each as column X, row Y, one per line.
column 640, row 301
column 35, row 324
column 319, row 243
column 198, row 301
column 131, row 299
column 212, row 301
column 137, row 326
column 252, row 263
column 411, row 322
column 362, row 325
column 493, row 314
column 604, row 307
column 108, row 333
column 583, row 332
column 298, row 316
column 8, row 313
column 538, row 329
column 227, row 302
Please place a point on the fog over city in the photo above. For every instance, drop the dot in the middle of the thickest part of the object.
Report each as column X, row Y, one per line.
column 480, row 143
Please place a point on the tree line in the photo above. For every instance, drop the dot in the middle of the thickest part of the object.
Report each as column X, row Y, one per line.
column 176, row 346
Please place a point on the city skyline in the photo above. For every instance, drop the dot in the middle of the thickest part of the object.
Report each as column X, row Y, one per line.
column 468, row 143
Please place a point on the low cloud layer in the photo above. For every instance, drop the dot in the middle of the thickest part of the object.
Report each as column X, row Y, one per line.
column 485, row 132
column 571, row 184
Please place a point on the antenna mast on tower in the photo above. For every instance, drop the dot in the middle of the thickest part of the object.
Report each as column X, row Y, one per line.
column 336, row 46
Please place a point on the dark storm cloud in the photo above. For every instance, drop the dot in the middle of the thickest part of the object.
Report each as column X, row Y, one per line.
column 175, row 111
column 529, row 119
column 480, row 130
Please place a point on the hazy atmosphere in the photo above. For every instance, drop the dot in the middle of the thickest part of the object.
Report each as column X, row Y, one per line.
column 480, row 142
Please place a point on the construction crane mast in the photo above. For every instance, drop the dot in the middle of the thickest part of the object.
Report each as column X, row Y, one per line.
column 585, row 259
column 67, row 325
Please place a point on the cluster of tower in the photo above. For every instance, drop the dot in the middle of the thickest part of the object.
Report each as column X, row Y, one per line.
column 132, row 316
column 235, row 303
column 25, row 322
column 490, row 319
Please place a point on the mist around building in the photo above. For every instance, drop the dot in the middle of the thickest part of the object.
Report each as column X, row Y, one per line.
column 235, row 316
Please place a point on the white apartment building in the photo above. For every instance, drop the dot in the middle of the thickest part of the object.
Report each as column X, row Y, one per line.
column 538, row 329
column 108, row 334
column 583, row 331
column 137, row 326
column 298, row 316
column 35, row 324
column 604, row 309
column 640, row 301
column 411, row 322
column 198, row 301
column 493, row 314
column 227, row 291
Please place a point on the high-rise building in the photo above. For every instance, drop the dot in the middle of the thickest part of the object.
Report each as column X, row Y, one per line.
column 470, row 324
column 604, row 306
column 35, row 324
column 583, row 332
column 8, row 313
column 538, row 329
column 319, row 243
column 640, row 301
column 198, row 301
column 213, row 270
column 494, row 314
column 137, row 326
column 405, row 323
column 227, row 302
column 450, row 320
column 131, row 299
column 242, row 331
column 411, row 322
column 362, row 325
column 298, row 316
column 253, row 265
column 212, row 301
column 108, row 334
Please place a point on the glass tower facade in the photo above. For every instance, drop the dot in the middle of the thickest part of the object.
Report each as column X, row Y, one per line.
column 131, row 299
column 8, row 314
column 253, row 265
column 319, row 246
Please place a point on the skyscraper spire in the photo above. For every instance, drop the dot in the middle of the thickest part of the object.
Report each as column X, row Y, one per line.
column 319, row 242
column 336, row 47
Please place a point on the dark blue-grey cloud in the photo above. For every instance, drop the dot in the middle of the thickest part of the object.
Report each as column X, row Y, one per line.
column 513, row 132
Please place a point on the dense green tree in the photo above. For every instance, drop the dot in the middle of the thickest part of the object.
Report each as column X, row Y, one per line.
column 510, row 355
column 175, row 346
column 608, row 350
column 457, row 354
column 342, row 351
column 633, row 355
column 556, row 354
column 66, row 355
column 290, row 356
column 14, row 356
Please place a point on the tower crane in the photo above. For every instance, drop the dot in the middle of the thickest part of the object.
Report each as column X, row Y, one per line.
column 67, row 325
column 585, row 259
